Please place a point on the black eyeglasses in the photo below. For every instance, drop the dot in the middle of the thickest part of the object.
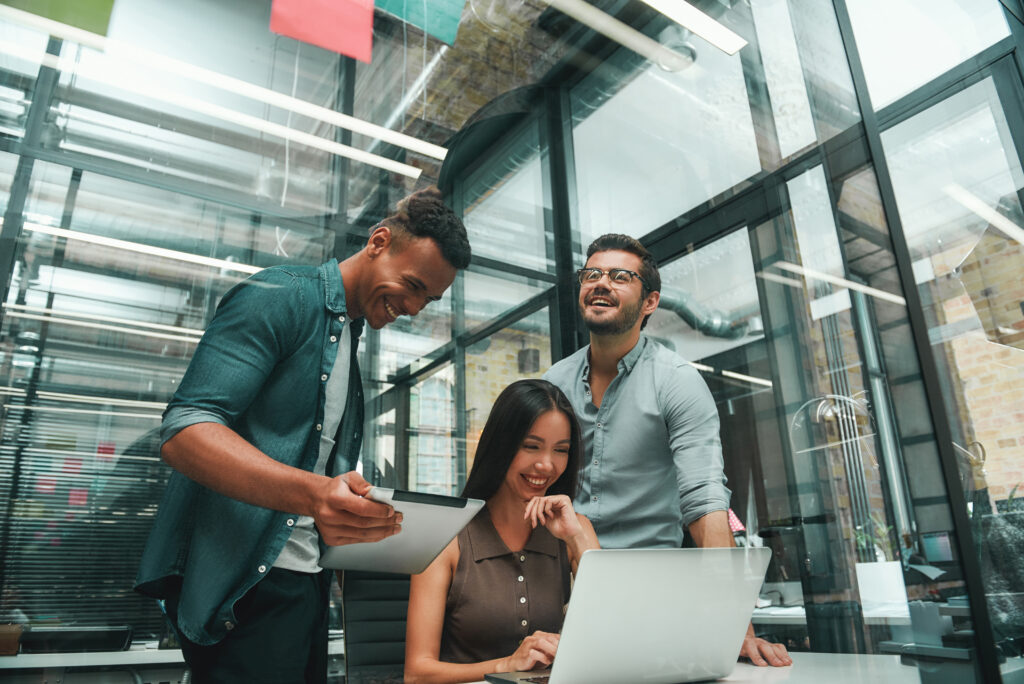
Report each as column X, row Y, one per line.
column 617, row 276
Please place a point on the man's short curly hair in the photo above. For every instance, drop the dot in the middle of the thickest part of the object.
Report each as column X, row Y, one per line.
column 424, row 214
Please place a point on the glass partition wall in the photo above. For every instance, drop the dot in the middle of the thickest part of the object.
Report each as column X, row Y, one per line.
column 838, row 224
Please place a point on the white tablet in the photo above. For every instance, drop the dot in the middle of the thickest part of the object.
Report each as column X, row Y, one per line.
column 429, row 522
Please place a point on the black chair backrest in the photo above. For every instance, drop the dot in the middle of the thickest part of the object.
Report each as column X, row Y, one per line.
column 836, row 627
column 373, row 609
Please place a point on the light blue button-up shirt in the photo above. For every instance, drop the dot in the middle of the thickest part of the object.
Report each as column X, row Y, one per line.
column 652, row 452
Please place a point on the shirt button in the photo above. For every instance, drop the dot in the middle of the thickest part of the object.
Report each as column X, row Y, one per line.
column 593, row 498
column 520, row 578
column 522, row 558
column 595, row 461
column 323, row 377
column 320, row 427
column 262, row 569
column 598, row 425
column 229, row 625
column 341, row 318
column 523, row 623
column 334, row 338
column 291, row 522
column 522, row 599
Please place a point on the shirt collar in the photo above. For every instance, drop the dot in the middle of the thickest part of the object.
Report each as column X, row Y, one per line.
column 486, row 542
column 334, row 293
column 625, row 364
column 334, row 290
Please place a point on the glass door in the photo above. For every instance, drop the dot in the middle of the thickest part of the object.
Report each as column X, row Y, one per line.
column 798, row 322
column 957, row 178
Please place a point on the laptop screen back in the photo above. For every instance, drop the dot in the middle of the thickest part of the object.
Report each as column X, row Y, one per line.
column 658, row 615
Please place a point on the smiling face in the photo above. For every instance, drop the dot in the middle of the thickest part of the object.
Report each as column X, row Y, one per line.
column 611, row 309
column 402, row 277
column 542, row 457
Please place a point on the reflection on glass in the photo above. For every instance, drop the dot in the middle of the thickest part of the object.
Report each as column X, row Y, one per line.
column 830, row 459
column 411, row 339
column 791, row 107
column 431, row 434
column 925, row 39
column 505, row 207
column 957, row 182
column 522, row 350
column 651, row 144
column 94, row 340
column 489, row 294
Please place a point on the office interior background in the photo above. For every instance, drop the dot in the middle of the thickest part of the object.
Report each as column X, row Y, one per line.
column 836, row 209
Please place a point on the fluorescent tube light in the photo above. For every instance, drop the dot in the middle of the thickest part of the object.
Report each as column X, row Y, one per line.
column 689, row 17
column 106, row 319
column 979, row 207
column 137, row 55
column 625, row 35
column 95, row 412
column 89, row 399
column 701, row 367
column 100, row 326
column 142, row 249
column 156, row 92
column 783, row 280
column 843, row 282
column 747, row 378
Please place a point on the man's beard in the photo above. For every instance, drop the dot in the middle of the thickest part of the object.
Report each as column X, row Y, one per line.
column 628, row 315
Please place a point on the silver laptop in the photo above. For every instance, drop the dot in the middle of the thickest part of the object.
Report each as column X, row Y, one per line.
column 658, row 616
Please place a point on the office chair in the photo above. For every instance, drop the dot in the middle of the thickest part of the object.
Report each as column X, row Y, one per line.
column 835, row 627
column 373, row 613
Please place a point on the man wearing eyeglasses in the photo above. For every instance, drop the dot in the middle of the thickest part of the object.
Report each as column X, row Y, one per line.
column 653, row 457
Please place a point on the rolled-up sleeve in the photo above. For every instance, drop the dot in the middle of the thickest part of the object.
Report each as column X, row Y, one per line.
column 693, row 430
column 256, row 322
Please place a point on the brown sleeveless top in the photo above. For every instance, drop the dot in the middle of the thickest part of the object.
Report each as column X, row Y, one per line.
column 498, row 597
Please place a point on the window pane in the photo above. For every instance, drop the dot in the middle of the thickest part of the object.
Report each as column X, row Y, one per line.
column 522, row 350
column 925, row 39
column 505, row 207
column 651, row 144
column 489, row 294
column 958, row 181
column 431, row 434
column 800, row 329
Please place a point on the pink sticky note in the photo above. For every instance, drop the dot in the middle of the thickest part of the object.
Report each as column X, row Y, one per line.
column 344, row 26
column 734, row 522
column 46, row 484
column 78, row 497
column 105, row 449
column 72, row 466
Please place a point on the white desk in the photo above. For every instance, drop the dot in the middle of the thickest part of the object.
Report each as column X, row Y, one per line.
column 796, row 615
column 131, row 658
column 834, row 668
column 815, row 668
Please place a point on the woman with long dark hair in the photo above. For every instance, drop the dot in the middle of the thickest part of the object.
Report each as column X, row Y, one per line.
column 494, row 600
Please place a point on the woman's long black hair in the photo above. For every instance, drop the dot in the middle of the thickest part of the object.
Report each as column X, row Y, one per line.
column 512, row 415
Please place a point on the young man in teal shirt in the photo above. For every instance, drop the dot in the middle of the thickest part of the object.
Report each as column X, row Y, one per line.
column 263, row 432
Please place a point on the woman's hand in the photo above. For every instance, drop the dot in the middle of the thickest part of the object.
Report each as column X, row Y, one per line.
column 555, row 513
column 537, row 649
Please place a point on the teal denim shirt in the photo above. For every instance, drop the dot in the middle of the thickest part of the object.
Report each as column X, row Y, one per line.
column 261, row 370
